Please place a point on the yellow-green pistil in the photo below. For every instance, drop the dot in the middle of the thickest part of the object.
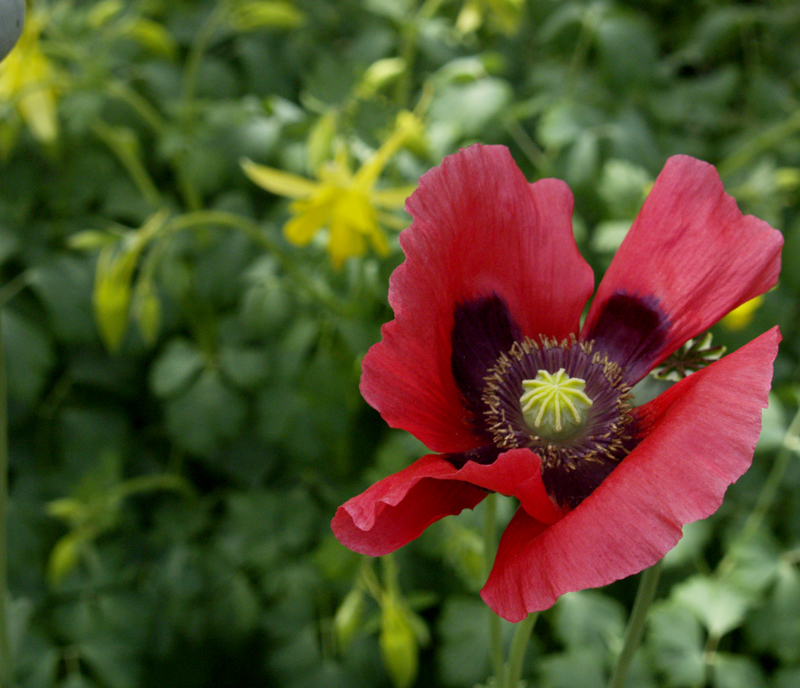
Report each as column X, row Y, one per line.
column 554, row 405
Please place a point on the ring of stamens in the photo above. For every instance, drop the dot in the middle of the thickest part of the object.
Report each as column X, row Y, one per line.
column 605, row 433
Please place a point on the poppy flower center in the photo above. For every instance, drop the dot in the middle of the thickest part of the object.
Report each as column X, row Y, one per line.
column 554, row 405
column 566, row 402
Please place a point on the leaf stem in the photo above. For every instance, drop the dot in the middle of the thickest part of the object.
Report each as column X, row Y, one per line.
column 648, row 582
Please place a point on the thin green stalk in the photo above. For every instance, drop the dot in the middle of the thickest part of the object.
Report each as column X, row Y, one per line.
column 191, row 75
column 197, row 49
column 489, row 550
column 516, row 656
column 648, row 582
column 6, row 665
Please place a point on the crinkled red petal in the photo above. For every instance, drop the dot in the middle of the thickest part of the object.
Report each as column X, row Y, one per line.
column 515, row 473
column 700, row 437
column 692, row 255
column 479, row 229
column 398, row 508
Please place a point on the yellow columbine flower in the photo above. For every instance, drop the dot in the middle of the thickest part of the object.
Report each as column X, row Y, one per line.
column 347, row 203
column 740, row 317
column 26, row 77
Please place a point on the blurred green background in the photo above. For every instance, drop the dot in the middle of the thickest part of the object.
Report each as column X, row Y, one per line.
column 183, row 380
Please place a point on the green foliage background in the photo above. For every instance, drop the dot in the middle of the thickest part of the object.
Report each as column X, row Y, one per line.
column 182, row 432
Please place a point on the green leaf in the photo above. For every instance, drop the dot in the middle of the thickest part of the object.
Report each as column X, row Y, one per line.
column 64, row 284
column 29, row 357
column 775, row 626
column 154, row 37
column 717, row 605
column 627, row 50
column 787, row 678
column 175, row 368
column 676, row 644
column 9, row 245
column 583, row 159
column 565, row 121
column 244, row 367
column 464, row 650
column 690, row 547
column 773, row 425
column 469, row 108
column 67, row 552
column 206, row 414
column 464, row 550
column 735, row 671
column 608, row 236
column 589, row 620
column 251, row 15
column 578, row 668
column 623, row 187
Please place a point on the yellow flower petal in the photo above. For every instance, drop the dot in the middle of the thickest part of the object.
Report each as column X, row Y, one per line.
column 308, row 218
column 353, row 209
column 344, row 242
column 740, row 317
column 277, row 181
column 392, row 198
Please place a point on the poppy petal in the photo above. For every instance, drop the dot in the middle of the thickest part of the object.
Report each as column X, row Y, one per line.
column 689, row 258
column 396, row 510
column 480, row 230
column 515, row 473
column 700, row 437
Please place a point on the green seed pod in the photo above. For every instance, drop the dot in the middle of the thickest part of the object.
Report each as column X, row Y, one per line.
column 398, row 642
column 349, row 618
column 12, row 18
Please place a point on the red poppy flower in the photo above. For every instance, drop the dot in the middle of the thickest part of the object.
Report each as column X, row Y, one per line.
column 487, row 364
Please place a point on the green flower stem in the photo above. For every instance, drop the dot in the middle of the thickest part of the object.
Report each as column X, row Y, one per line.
column 507, row 674
column 200, row 44
column 516, row 656
column 789, row 446
column 489, row 549
column 648, row 582
column 198, row 48
column 6, row 666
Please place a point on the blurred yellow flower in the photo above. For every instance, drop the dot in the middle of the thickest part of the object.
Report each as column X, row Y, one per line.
column 26, row 80
column 347, row 203
column 740, row 317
